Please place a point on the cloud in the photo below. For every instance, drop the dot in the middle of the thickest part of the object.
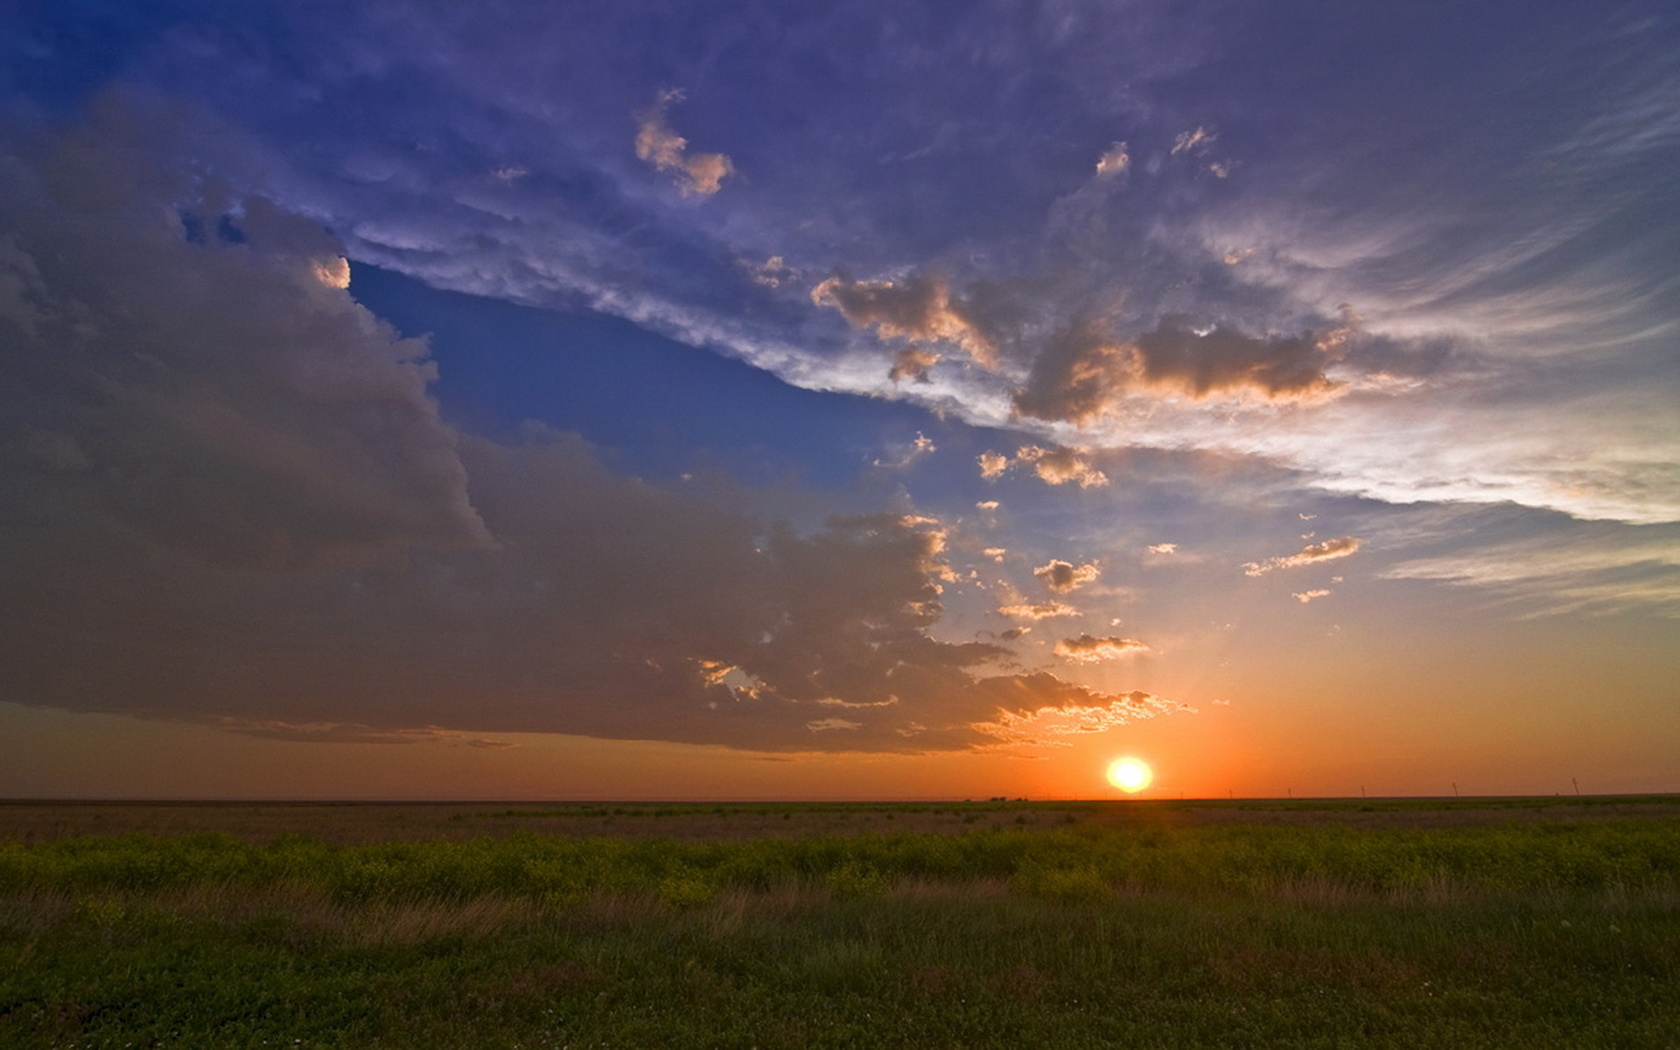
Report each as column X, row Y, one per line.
column 993, row 464
column 245, row 511
column 658, row 145
column 1114, row 161
column 1163, row 548
column 1195, row 141
column 902, row 456
column 1080, row 712
column 1306, row 596
column 1059, row 466
column 1038, row 610
column 1565, row 567
column 1054, row 466
column 1087, row 649
column 1062, row 577
column 1084, row 371
column 1329, row 550
column 209, row 390
column 918, row 308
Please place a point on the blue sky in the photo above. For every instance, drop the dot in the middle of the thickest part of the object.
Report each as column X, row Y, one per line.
column 983, row 379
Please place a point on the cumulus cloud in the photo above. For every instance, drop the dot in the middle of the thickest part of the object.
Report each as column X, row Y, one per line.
column 1063, row 576
column 1082, row 372
column 1089, row 649
column 1329, row 550
column 658, row 145
column 1054, row 466
column 1059, row 466
column 188, row 373
column 918, row 308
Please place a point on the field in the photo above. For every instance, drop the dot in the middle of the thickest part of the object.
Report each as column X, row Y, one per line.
column 1465, row 923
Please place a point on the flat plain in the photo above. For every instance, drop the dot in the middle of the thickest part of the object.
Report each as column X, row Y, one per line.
column 1531, row 922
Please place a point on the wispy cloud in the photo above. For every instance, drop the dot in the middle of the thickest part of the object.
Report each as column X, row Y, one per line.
column 1329, row 550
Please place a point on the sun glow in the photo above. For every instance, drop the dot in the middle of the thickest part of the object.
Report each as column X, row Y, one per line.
column 1130, row 775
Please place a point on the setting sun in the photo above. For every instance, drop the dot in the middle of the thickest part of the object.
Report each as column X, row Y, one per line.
column 1130, row 775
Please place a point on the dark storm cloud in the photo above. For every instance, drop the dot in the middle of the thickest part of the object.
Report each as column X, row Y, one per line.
column 181, row 360
column 228, row 498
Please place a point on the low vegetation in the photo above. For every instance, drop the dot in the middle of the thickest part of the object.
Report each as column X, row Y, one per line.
column 1549, row 933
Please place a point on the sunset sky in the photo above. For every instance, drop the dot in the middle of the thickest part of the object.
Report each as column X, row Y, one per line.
column 856, row 400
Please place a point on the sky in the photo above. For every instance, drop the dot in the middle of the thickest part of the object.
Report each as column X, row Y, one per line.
column 861, row 400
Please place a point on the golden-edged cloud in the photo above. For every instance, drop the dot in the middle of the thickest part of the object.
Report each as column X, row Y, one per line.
column 1088, row 649
column 1054, row 466
column 1081, row 373
column 1329, row 550
column 1037, row 610
column 918, row 308
column 658, row 145
column 1064, row 576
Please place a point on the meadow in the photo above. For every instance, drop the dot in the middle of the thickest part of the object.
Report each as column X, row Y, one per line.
column 1465, row 923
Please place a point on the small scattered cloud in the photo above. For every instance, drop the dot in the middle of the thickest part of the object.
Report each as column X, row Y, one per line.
column 901, row 456
column 1054, row 466
column 1114, row 161
column 1059, row 466
column 1037, row 610
column 1063, row 576
column 1329, row 550
column 1196, row 141
column 828, row 725
column 1088, row 649
column 772, row 273
column 1306, row 596
column 987, row 504
column 658, row 145
column 995, row 553
column 1163, row 548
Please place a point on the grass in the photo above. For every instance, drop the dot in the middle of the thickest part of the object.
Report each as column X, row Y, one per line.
column 1538, row 935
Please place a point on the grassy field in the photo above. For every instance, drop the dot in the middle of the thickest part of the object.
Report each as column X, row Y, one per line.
column 1463, row 923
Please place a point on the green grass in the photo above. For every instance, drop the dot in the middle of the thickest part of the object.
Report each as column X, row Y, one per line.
column 1550, row 935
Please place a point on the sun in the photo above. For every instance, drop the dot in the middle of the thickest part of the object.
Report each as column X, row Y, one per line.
column 1130, row 775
